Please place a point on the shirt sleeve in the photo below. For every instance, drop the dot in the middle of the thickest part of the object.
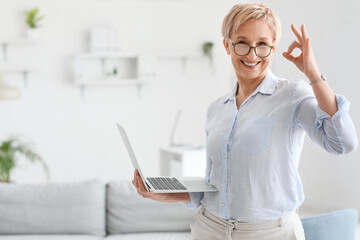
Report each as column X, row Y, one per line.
column 335, row 134
column 196, row 198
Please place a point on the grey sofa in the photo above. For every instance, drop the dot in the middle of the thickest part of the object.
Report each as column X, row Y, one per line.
column 89, row 210
column 92, row 210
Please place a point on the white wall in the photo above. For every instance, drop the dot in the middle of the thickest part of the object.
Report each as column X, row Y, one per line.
column 77, row 137
column 329, row 181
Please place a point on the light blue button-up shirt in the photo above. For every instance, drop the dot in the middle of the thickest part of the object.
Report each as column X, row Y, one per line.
column 253, row 152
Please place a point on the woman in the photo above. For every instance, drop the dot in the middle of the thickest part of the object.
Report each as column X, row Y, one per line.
column 256, row 132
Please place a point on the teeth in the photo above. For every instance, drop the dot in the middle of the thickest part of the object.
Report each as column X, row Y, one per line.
column 250, row 64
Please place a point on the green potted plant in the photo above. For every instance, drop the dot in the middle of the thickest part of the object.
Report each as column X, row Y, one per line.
column 10, row 152
column 207, row 48
column 32, row 20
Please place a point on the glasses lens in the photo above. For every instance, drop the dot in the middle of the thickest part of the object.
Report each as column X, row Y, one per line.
column 242, row 49
column 262, row 51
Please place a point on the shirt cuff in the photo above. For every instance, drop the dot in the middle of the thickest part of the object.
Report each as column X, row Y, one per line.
column 343, row 107
column 196, row 198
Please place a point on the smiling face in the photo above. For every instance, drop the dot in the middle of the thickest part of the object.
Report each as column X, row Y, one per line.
column 251, row 67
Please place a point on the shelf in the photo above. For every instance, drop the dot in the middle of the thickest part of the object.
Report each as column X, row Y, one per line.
column 15, row 69
column 129, row 68
column 184, row 57
column 179, row 55
column 24, row 70
column 18, row 42
column 103, row 82
column 107, row 55
column 111, row 82
column 6, row 43
column 113, row 69
column 135, row 55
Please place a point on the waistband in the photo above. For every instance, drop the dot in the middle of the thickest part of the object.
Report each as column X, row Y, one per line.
column 261, row 225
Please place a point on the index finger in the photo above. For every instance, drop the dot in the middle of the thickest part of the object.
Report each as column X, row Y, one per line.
column 297, row 33
column 303, row 31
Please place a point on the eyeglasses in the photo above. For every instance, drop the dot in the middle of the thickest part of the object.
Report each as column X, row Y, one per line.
column 243, row 49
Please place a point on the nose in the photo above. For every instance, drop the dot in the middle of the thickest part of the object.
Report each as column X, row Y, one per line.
column 252, row 55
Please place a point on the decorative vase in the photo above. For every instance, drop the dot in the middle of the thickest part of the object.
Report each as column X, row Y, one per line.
column 32, row 33
column 7, row 91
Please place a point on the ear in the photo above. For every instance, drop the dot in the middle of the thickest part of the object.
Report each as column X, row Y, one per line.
column 275, row 46
column 273, row 50
column 226, row 45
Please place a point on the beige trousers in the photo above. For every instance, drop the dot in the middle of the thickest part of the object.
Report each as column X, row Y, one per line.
column 206, row 226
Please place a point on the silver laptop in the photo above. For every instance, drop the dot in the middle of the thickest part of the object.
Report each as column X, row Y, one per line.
column 166, row 184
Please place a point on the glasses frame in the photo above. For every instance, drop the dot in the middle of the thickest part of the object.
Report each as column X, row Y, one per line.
column 250, row 47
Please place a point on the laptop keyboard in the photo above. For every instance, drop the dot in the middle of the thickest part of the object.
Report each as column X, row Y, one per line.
column 166, row 184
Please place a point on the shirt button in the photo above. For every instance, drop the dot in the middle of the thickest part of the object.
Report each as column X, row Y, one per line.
column 224, row 180
column 223, row 204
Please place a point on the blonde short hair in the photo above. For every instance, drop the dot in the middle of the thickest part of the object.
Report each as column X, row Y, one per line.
column 241, row 13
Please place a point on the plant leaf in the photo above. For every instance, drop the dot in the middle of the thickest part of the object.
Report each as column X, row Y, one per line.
column 32, row 18
column 9, row 151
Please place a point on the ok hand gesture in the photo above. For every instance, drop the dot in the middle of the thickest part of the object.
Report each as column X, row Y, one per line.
column 306, row 60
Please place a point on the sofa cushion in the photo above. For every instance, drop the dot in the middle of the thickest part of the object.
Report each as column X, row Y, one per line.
column 128, row 212
column 50, row 237
column 150, row 236
column 53, row 208
column 335, row 225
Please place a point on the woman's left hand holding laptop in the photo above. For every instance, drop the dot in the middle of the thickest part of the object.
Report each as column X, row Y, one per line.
column 160, row 197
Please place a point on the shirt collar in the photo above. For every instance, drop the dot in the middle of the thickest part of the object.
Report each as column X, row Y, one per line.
column 267, row 86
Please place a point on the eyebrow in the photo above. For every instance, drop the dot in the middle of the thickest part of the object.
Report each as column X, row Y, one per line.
column 241, row 37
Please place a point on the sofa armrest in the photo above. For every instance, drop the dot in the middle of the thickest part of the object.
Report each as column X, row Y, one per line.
column 331, row 226
column 53, row 208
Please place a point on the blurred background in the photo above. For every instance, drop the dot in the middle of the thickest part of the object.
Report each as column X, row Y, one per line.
column 142, row 63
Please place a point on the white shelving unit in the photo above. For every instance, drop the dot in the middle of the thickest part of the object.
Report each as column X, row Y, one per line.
column 112, row 82
column 7, row 67
column 97, row 69
column 111, row 69
column 184, row 57
column 11, row 69
column 5, row 45
column 183, row 161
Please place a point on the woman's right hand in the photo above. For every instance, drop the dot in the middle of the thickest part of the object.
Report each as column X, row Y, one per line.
column 160, row 197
